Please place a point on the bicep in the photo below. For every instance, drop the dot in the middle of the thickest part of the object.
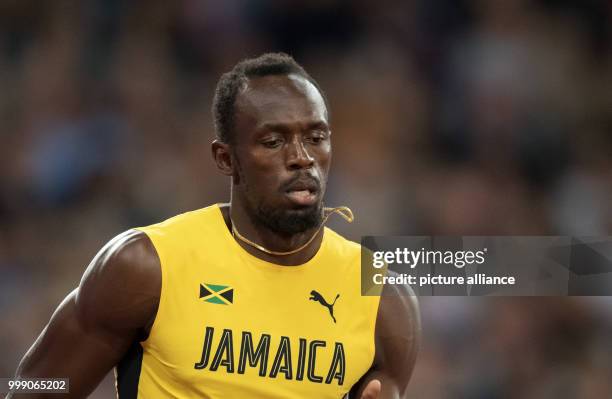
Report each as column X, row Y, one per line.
column 397, row 341
column 95, row 325
column 68, row 348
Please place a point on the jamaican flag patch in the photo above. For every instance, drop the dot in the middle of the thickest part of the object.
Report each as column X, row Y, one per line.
column 219, row 294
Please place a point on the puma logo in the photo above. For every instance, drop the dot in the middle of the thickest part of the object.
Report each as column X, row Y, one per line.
column 315, row 296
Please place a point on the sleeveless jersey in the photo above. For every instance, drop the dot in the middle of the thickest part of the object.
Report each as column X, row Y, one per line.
column 230, row 325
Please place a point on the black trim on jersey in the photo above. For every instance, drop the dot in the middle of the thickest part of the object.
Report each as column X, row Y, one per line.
column 128, row 372
column 353, row 391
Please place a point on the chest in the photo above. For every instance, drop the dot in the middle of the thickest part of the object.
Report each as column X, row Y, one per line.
column 260, row 333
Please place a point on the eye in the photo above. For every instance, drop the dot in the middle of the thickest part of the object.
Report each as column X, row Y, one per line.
column 272, row 143
column 316, row 138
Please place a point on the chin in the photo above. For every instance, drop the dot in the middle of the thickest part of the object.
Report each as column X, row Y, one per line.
column 290, row 221
column 303, row 209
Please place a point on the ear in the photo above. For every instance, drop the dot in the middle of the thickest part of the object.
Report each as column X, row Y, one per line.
column 223, row 158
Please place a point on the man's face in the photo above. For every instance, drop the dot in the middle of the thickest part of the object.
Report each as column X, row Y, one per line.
column 282, row 152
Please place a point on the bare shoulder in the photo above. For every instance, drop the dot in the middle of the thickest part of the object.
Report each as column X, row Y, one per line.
column 398, row 311
column 399, row 297
column 121, row 287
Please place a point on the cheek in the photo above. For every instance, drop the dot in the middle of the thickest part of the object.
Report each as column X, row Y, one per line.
column 261, row 173
column 267, row 168
column 324, row 160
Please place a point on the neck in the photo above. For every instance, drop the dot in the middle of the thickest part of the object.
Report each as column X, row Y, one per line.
column 270, row 240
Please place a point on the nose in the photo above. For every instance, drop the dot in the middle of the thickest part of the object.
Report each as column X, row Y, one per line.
column 298, row 156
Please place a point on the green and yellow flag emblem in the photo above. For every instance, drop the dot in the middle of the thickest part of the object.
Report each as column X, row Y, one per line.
column 219, row 294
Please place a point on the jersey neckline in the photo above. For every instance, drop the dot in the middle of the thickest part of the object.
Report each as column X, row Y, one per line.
column 260, row 262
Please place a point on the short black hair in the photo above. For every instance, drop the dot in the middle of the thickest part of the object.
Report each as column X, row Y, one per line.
column 230, row 83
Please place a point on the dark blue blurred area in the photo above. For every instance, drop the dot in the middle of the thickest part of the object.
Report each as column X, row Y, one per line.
column 448, row 117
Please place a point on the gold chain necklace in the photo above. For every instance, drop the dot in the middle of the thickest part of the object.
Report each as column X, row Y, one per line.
column 343, row 211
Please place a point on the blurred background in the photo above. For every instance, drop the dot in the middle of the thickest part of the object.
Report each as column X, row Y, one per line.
column 449, row 117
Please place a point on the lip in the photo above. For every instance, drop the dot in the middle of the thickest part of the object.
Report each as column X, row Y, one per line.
column 303, row 192
column 302, row 197
column 303, row 185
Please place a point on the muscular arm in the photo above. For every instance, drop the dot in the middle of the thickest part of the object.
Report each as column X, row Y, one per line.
column 398, row 330
column 90, row 331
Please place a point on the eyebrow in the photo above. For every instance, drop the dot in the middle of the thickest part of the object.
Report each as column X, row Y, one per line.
column 285, row 127
column 318, row 125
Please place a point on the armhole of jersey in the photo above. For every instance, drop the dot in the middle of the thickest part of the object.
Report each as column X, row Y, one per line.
column 372, row 309
column 127, row 372
column 376, row 305
column 374, row 302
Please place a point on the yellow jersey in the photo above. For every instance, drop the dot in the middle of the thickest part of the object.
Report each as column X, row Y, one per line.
column 230, row 325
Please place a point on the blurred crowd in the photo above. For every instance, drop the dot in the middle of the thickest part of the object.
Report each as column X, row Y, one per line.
column 448, row 117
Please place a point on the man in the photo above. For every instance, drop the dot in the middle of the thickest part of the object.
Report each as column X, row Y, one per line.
column 252, row 299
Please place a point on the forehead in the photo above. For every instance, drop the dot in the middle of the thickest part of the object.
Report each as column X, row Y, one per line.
column 279, row 99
